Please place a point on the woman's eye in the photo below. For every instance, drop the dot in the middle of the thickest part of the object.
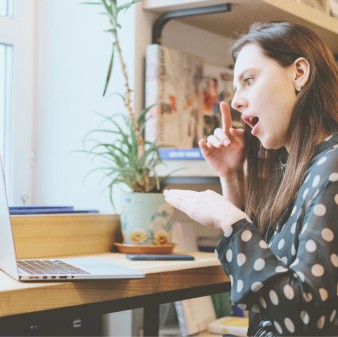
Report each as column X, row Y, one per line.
column 249, row 80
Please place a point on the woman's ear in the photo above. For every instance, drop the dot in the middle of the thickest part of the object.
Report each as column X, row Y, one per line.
column 301, row 73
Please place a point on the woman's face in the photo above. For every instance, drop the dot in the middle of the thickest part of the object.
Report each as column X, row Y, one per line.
column 265, row 95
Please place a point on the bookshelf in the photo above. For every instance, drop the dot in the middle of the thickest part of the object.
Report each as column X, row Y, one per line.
column 245, row 12
column 230, row 23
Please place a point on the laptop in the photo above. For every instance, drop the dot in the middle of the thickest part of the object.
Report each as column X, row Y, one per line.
column 51, row 269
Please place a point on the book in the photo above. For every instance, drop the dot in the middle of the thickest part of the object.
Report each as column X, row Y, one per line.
column 172, row 81
column 194, row 315
column 186, row 93
column 180, row 154
column 24, row 210
column 230, row 325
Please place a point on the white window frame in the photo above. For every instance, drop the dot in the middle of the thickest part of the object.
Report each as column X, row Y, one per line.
column 19, row 32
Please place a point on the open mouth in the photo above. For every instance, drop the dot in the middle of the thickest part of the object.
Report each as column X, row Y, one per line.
column 250, row 120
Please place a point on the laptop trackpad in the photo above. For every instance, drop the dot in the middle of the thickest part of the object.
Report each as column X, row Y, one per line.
column 104, row 267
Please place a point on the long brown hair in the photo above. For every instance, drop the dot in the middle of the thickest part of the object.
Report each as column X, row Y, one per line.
column 270, row 193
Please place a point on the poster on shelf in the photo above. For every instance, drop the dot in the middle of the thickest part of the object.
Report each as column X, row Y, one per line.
column 187, row 93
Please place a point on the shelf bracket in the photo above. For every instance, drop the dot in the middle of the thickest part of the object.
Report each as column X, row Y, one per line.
column 167, row 16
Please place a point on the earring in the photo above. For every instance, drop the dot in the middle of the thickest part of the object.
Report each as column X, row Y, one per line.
column 298, row 87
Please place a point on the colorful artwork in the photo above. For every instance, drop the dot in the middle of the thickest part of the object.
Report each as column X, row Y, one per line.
column 188, row 93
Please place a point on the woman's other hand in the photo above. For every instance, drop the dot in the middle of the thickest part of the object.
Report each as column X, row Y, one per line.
column 207, row 208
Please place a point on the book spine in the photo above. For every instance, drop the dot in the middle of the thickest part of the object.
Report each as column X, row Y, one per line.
column 153, row 129
column 173, row 82
column 181, row 154
column 182, row 322
column 26, row 210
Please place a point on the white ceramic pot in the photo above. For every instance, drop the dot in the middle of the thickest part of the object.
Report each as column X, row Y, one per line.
column 146, row 219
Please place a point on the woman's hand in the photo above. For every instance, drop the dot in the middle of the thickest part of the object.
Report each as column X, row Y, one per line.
column 224, row 150
column 208, row 208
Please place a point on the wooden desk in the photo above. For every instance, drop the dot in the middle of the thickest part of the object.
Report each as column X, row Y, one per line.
column 165, row 281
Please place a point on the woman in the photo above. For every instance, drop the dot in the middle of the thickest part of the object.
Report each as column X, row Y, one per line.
column 281, row 254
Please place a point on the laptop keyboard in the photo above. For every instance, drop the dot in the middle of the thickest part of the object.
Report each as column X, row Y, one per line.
column 45, row 267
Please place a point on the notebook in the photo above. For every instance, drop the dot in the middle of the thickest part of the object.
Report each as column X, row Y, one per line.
column 51, row 269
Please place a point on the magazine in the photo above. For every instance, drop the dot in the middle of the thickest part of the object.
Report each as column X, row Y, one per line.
column 186, row 93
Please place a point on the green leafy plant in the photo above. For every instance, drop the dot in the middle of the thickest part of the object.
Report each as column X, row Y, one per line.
column 127, row 157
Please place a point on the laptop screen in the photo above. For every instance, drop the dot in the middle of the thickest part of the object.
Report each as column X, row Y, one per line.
column 7, row 247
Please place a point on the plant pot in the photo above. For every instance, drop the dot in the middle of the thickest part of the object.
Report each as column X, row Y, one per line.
column 146, row 219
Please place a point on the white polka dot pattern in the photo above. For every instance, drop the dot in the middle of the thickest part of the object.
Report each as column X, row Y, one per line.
column 281, row 244
column 273, row 297
column 307, row 297
column 316, row 181
column 263, row 244
column 305, row 317
column 319, row 210
column 334, row 260
column 310, row 246
column 327, row 234
column 278, row 327
column 320, row 322
column 229, row 255
column 241, row 258
column 317, row 270
column 246, row 236
column 289, row 325
column 262, row 302
column 333, row 316
column 288, row 292
column 289, row 278
column 323, row 294
column 239, row 286
column 333, row 177
column 256, row 286
column 259, row 264
column 321, row 161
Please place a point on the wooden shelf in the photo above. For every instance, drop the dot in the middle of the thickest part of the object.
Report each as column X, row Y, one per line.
column 51, row 235
column 245, row 12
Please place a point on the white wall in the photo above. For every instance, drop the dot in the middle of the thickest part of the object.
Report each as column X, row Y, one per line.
column 72, row 60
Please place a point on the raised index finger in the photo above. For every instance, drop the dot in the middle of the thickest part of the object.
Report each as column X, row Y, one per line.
column 226, row 118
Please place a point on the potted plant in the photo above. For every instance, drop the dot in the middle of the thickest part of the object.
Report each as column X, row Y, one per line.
column 129, row 160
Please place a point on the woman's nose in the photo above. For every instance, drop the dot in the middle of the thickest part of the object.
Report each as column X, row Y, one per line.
column 238, row 103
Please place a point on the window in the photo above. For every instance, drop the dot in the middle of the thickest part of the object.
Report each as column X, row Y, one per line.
column 6, row 76
column 3, row 7
column 6, row 7
column 17, row 96
column 5, row 99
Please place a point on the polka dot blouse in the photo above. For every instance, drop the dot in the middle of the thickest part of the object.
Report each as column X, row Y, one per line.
column 291, row 280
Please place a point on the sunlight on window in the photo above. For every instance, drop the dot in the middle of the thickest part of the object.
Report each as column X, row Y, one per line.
column 6, row 7
column 2, row 96
column 5, row 90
